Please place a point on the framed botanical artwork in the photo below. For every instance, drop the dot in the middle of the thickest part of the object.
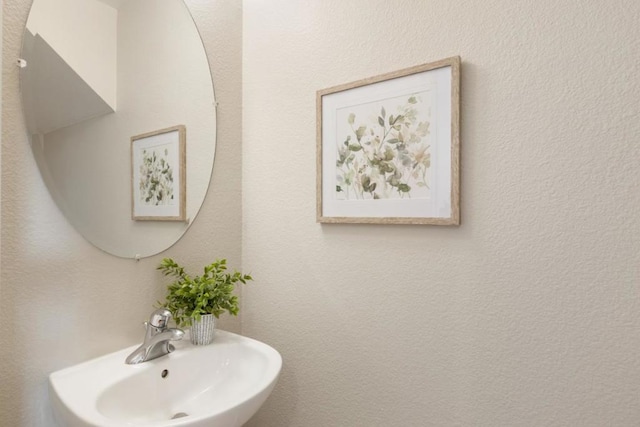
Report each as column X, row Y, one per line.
column 388, row 148
column 158, row 175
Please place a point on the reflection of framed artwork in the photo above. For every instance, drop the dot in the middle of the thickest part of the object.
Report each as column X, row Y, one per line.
column 388, row 148
column 158, row 175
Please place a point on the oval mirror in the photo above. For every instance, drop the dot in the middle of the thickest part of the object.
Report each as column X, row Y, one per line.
column 119, row 105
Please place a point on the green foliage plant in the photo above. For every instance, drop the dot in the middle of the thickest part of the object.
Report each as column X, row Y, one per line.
column 211, row 293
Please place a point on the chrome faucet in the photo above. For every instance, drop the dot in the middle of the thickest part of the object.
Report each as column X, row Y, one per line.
column 156, row 339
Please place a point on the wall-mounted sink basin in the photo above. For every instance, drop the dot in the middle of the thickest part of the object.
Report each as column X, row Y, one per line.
column 218, row 385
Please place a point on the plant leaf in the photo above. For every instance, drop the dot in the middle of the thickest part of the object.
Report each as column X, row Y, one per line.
column 211, row 293
column 404, row 188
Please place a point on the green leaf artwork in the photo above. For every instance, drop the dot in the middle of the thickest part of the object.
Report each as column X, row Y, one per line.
column 384, row 152
column 156, row 178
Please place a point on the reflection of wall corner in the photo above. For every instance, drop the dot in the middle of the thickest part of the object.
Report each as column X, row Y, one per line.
column 56, row 96
column 71, row 75
column 37, row 142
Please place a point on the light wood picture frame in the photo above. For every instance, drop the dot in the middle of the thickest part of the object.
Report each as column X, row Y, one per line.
column 158, row 175
column 388, row 148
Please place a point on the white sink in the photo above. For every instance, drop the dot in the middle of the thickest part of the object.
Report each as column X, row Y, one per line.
column 218, row 385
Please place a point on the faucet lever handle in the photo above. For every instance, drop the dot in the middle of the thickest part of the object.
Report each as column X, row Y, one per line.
column 160, row 318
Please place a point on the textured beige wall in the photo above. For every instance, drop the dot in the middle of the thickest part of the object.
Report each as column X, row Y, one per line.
column 1, row 103
column 64, row 301
column 526, row 315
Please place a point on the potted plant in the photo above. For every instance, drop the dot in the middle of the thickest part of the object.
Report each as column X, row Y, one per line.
column 196, row 301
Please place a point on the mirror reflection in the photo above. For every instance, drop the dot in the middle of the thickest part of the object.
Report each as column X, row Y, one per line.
column 98, row 73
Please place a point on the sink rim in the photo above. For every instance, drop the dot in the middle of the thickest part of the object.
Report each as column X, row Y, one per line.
column 82, row 405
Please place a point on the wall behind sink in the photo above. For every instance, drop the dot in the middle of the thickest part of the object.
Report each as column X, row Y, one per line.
column 528, row 314
column 62, row 300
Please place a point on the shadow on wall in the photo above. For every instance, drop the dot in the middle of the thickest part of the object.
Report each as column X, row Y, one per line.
column 282, row 402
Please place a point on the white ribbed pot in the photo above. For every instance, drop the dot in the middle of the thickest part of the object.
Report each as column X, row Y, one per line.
column 203, row 330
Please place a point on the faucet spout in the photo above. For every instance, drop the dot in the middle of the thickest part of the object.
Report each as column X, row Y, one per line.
column 156, row 339
column 169, row 334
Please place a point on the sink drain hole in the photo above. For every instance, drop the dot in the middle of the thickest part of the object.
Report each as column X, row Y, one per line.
column 179, row 415
column 164, row 375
